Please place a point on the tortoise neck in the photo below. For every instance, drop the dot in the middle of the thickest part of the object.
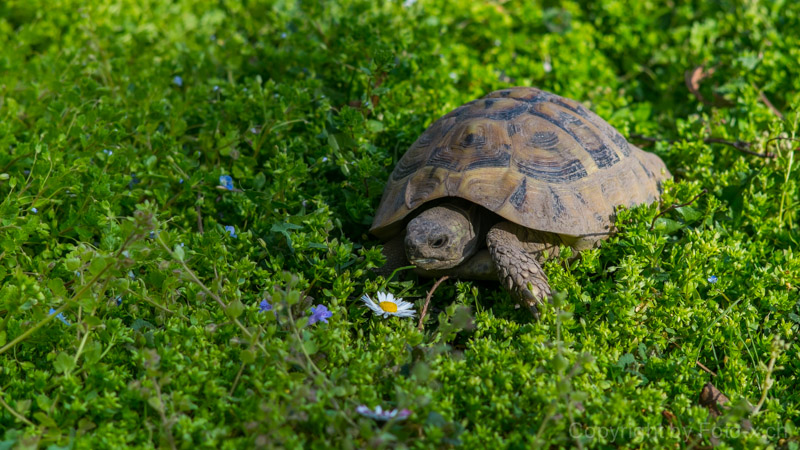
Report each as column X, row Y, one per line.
column 481, row 219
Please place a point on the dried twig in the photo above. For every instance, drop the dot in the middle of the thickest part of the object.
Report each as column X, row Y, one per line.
column 769, row 104
column 779, row 138
column 694, row 77
column 651, row 139
column 428, row 300
column 742, row 146
column 673, row 206
column 702, row 366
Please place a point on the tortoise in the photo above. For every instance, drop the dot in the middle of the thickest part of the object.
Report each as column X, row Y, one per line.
column 492, row 190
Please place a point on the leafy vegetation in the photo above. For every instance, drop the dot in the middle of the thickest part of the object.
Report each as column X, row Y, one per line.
column 182, row 182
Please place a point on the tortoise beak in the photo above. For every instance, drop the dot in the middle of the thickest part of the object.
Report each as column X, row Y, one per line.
column 422, row 261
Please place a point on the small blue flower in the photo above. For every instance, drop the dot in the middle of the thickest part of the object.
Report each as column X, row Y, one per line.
column 152, row 235
column 180, row 181
column 712, row 279
column 383, row 414
column 60, row 316
column 324, row 159
column 130, row 274
column 118, row 300
column 34, row 210
column 283, row 35
column 226, row 181
column 108, row 152
column 177, row 81
column 264, row 306
column 216, row 88
column 319, row 313
column 134, row 181
column 231, row 230
column 254, row 130
column 126, row 253
column 182, row 244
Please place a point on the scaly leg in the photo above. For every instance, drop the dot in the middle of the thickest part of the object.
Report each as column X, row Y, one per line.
column 519, row 253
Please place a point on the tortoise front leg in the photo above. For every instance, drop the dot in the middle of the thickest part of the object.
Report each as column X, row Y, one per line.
column 519, row 253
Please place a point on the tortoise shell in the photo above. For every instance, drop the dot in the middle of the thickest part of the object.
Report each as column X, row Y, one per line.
column 534, row 158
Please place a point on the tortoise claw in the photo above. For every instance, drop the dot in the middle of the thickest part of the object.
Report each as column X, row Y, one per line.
column 532, row 301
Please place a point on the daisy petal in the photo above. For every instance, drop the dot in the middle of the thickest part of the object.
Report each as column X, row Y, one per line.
column 389, row 305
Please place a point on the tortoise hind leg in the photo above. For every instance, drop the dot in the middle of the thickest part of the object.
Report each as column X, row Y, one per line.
column 519, row 253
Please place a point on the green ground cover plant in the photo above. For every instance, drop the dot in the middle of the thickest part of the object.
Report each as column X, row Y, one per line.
column 186, row 189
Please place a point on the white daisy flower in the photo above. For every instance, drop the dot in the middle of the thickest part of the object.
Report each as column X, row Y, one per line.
column 380, row 414
column 389, row 306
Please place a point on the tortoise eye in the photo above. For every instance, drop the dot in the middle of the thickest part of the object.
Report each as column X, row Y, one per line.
column 438, row 242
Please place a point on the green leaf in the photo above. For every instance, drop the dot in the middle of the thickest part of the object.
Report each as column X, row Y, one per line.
column 667, row 226
column 56, row 285
column 310, row 346
column 332, row 142
column 138, row 324
column 284, row 229
column 72, row 264
column 689, row 214
column 155, row 403
column 374, row 126
column 248, row 356
column 64, row 363
column 178, row 251
column 625, row 359
column 234, row 309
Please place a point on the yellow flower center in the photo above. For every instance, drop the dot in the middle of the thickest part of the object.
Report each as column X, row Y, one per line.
column 388, row 306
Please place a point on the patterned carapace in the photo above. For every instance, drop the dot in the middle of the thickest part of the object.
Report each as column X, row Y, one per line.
column 539, row 160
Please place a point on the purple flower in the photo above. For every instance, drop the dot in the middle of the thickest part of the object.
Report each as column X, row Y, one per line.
column 60, row 316
column 379, row 414
column 264, row 306
column 226, row 181
column 177, row 81
column 712, row 279
column 231, row 230
column 319, row 313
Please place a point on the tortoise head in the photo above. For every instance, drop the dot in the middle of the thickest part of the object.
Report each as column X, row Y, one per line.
column 443, row 236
